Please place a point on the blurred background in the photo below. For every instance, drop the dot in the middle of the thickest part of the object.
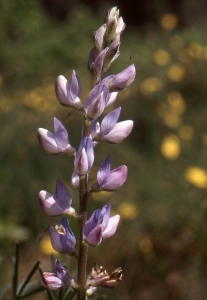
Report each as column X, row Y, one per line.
column 161, row 243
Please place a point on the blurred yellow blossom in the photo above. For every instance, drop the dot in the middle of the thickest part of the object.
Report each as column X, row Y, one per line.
column 128, row 210
column 151, row 85
column 169, row 21
column 146, row 245
column 176, row 102
column 205, row 52
column 172, row 120
column 196, row 176
column 176, row 72
column 195, row 50
column 6, row 104
column 186, row 132
column 162, row 57
column 46, row 247
column 170, row 146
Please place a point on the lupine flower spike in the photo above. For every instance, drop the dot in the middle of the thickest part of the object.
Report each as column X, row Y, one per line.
column 104, row 91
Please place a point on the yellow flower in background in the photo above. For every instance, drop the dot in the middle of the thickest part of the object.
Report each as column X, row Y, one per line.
column 46, row 247
column 169, row 21
column 151, row 85
column 195, row 50
column 170, row 146
column 176, row 72
column 172, row 120
column 176, row 102
column 196, row 176
column 205, row 52
column 162, row 57
column 186, row 132
column 128, row 210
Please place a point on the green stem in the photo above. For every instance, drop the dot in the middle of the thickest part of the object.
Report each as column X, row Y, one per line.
column 83, row 251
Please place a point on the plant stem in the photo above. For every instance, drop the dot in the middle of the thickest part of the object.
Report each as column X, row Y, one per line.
column 83, row 251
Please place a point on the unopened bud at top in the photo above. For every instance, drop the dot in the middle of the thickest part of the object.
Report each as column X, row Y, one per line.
column 115, row 25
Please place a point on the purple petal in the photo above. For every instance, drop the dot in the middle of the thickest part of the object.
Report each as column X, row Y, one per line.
column 91, row 223
column 95, row 236
column 96, row 101
column 104, row 171
column 52, row 281
column 91, row 58
column 62, row 273
column 116, row 179
column 75, row 86
column 50, row 205
column 89, row 151
column 68, row 241
column 75, row 180
column 99, row 37
column 55, row 240
column 81, row 163
column 105, row 212
column 61, row 89
column 98, row 64
column 48, row 142
column 111, row 98
column 119, row 132
column 109, row 121
column 123, row 79
column 63, row 195
column 61, row 135
column 112, row 226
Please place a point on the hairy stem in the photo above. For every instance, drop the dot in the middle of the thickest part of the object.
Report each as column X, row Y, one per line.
column 83, row 251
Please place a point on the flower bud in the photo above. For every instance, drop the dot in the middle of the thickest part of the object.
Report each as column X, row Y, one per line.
column 84, row 157
column 98, row 39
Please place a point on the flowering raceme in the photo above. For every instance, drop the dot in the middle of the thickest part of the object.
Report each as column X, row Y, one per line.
column 104, row 91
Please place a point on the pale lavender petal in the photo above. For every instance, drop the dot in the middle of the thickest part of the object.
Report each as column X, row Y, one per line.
column 89, row 151
column 81, row 163
column 75, row 180
column 91, row 223
column 50, row 205
column 75, row 86
column 123, row 79
column 98, row 63
column 119, row 132
column 104, row 171
column 116, row 179
column 94, row 128
column 110, row 99
column 95, row 236
column 61, row 134
column 63, row 195
column 99, row 37
column 48, row 142
column 61, row 89
column 120, row 26
column 109, row 121
column 111, row 227
column 105, row 215
column 52, row 281
column 96, row 101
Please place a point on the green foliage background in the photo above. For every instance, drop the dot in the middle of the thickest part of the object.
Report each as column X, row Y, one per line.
column 161, row 241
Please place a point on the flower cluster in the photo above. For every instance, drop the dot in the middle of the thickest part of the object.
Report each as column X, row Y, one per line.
column 99, row 225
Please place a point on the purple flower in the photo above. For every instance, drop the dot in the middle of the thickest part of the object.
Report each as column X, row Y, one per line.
column 57, row 142
column 110, row 180
column 62, row 238
column 111, row 131
column 99, row 38
column 110, row 99
column 59, row 204
column 57, row 279
column 100, row 226
column 120, row 81
column 96, row 101
column 84, row 157
column 115, row 24
column 68, row 93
